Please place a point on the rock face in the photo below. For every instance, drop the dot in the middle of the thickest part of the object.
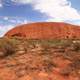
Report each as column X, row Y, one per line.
column 46, row 30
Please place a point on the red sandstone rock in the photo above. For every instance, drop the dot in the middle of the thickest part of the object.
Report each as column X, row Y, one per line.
column 45, row 30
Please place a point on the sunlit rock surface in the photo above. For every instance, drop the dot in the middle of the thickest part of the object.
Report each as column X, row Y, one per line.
column 46, row 30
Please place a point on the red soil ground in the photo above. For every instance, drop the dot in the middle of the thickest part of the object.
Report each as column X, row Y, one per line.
column 45, row 30
column 40, row 62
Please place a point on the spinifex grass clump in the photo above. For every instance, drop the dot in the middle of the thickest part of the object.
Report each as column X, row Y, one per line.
column 7, row 47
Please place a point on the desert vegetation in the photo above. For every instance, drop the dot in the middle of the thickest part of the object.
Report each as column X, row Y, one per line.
column 33, row 59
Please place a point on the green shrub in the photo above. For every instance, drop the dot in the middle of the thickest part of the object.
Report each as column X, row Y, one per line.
column 6, row 47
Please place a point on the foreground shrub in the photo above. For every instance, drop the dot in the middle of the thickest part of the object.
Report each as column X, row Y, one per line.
column 6, row 48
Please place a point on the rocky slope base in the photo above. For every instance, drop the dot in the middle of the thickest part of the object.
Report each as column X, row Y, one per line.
column 22, row 59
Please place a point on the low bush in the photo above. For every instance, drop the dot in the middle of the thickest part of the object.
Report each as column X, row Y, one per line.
column 6, row 47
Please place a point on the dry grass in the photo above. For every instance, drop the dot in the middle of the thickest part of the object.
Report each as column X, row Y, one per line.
column 35, row 56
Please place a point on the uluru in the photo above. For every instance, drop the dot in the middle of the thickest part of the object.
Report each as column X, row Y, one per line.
column 46, row 30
